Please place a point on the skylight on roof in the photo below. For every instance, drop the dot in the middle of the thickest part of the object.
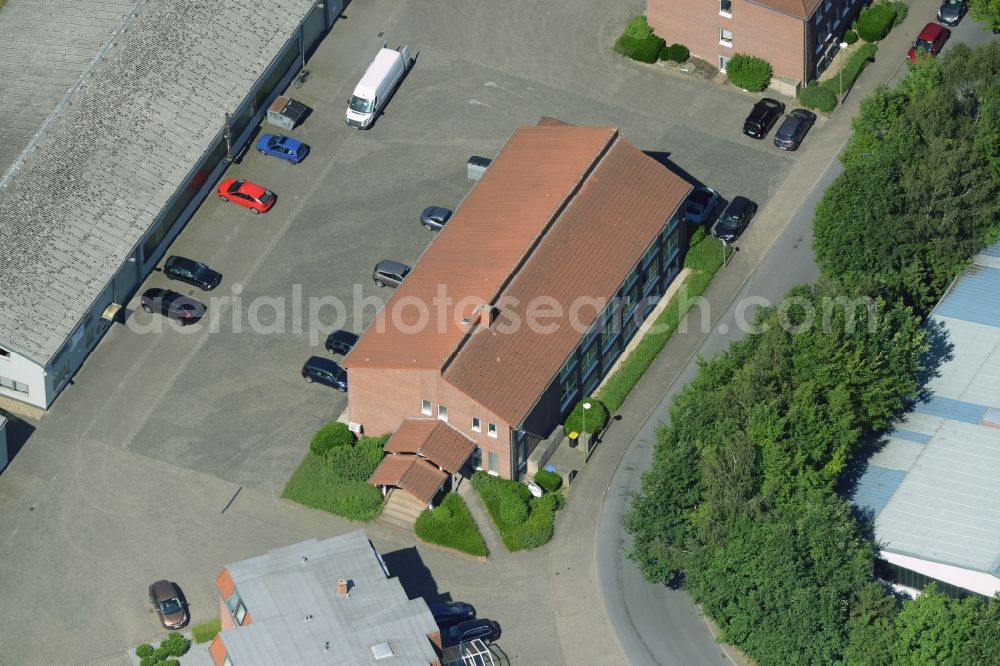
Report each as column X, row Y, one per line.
column 381, row 651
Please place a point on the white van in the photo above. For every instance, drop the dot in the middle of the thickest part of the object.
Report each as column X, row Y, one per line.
column 377, row 85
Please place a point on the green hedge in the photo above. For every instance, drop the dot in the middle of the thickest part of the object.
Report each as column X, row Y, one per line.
column 875, row 21
column 597, row 417
column 203, row 633
column 638, row 28
column 900, row 10
column 451, row 525
column 536, row 530
column 704, row 258
column 144, row 650
column 815, row 96
column 550, row 481
column 358, row 462
column 850, row 37
column 175, row 645
column 644, row 50
column 330, row 436
column 749, row 72
column 853, row 67
column 675, row 53
column 315, row 484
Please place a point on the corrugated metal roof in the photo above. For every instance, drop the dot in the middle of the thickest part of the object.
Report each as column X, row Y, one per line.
column 101, row 172
column 946, row 508
column 298, row 617
column 876, row 487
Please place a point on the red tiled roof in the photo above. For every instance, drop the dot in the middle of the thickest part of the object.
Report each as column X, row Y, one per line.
column 433, row 439
column 599, row 238
column 475, row 254
column 410, row 473
column 802, row 9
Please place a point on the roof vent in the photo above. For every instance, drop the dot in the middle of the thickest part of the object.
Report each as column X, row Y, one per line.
column 304, row 559
column 487, row 315
column 343, row 589
column 381, row 651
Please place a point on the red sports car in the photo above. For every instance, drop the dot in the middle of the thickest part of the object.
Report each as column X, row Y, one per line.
column 245, row 193
column 929, row 41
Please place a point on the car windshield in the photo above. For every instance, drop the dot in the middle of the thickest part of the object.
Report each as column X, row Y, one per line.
column 170, row 606
column 361, row 105
column 730, row 221
column 922, row 45
column 235, row 187
column 267, row 196
column 699, row 199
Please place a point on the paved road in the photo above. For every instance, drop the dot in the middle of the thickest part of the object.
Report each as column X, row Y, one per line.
column 654, row 624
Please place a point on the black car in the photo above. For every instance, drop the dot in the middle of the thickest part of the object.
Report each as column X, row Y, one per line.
column 952, row 11
column 434, row 218
column 341, row 342
column 485, row 630
column 735, row 219
column 183, row 309
column 763, row 116
column 325, row 371
column 450, row 613
column 192, row 272
column 789, row 136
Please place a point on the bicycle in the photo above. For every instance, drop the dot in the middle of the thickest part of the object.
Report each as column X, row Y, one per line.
column 301, row 78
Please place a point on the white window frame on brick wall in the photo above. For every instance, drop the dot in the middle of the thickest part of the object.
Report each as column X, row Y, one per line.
column 723, row 61
column 426, row 407
column 491, row 430
column 723, row 11
column 722, row 38
column 477, row 425
column 442, row 413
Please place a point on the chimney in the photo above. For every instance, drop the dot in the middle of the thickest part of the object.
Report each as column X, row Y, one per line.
column 487, row 315
column 342, row 588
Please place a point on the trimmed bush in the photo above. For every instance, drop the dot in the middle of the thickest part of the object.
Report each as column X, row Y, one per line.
column 749, row 72
column 315, row 485
column 451, row 525
column 358, row 462
column 329, row 436
column 171, row 662
column 875, row 21
column 160, row 653
column 550, row 481
column 144, row 650
column 815, row 96
column 513, row 510
column 899, row 9
column 175, row 644
column 853, row 67
column 597, row 417
column 149, row 661
column 675, row 53
column 497, row 493
column 638, row 28
column 850, row 37
column 203, row 633
column 644, row 50
column 704, row 258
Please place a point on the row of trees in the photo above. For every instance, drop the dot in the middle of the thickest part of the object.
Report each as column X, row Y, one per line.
column 740, row 505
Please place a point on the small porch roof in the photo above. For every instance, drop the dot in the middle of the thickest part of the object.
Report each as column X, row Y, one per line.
column 434, row 440
column 411, row 474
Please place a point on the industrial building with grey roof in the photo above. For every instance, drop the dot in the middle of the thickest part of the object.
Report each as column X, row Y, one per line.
column 321, row 602
column 122, row 141
column 934, row 488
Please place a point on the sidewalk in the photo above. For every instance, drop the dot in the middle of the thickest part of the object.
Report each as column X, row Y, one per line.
column 573, row 551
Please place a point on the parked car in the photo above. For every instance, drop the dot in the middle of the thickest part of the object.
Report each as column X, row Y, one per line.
column 341, row 342
column 325, row 371
column 258, row 199
column 789, row 136
column 700, row 205
column 735, row 219
column 283, row 147
column 183, row 309
column 192, row 272
column 391, row 273
column 434, row 218
column 168, row 603
column 928, row 42
column 450, row 613
column 951, row 11
column 762, row 117
column 483, row 629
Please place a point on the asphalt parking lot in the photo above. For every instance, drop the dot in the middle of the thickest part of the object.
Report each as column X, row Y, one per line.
column 125, row 480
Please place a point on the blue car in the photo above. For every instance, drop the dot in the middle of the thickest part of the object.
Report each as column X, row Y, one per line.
column 283, row 147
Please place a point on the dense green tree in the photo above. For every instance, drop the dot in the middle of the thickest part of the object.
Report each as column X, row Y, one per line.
column 871, row 629
column 986, row 11
column 934, row 630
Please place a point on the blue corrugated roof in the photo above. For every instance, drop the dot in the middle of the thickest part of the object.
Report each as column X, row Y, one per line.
column 975, row 297
column 876, row 487
column 911, row 436
column 954, row 410
column 992, row 251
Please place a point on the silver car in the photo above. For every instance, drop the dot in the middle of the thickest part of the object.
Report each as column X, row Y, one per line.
column 389, row 273
column 434, row 218
column 952, row 11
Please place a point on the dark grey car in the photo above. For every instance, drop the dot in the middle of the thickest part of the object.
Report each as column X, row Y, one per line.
column 389, row 273
column 789, row 136
column 762, row 117
column 183, row 309
column 325, row 371
column 192, row 272
column 735, row 219
column 952, row 11
column 341, row 342
column 434, row 218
